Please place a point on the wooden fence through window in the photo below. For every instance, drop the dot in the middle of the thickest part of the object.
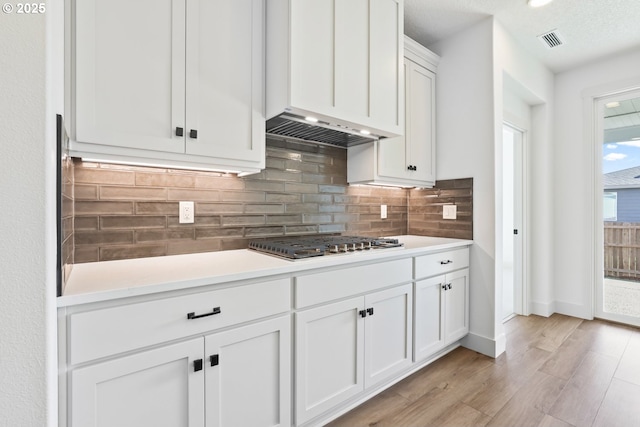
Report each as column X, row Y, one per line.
column 622, row 250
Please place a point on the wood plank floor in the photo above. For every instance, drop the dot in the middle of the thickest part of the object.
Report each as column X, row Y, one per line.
column 557, row 372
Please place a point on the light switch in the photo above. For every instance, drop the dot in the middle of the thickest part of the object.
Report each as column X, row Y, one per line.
column 449, row 211
column 383, row 211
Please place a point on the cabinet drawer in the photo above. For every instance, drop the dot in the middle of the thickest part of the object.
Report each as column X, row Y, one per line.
column 114, row 330
column 331, row 285
column 441, row 262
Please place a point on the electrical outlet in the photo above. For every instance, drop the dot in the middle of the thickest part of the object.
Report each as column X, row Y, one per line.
column 383, row 211
column 186, row 213
column 449, row 211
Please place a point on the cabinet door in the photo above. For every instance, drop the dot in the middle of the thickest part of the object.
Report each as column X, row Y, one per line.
column 429, row 327
column 248, row 382
column 329, row 356
column 386, row 22
column 420, row 123
column 154, row 388
column 392, row 152
column 388, row 333
column 129, row 77
column 456, row 321
column 225, row 89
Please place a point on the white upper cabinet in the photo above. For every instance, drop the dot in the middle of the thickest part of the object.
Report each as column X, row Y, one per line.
column 169, row 82
column 337, row 60
column 408, row 160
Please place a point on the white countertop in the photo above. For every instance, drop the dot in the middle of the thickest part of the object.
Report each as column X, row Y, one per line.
column 100, row 281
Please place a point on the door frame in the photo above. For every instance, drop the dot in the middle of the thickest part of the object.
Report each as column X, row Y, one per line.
column 521, row 293
column 596, row 123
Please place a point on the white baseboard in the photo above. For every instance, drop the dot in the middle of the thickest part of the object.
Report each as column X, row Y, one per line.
column 544, row 309
column 487, row 346
column 574, row 310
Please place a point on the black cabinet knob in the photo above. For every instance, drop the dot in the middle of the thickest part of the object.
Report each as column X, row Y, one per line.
column 370, row 311
column 193, row 133
column 214, row 359
column 179, row 131
column 197, row 365
column 362, row 313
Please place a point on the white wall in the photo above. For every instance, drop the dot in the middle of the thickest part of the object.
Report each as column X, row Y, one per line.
column 573, row 176
column 527, row 80
column 465, row 148
column 27, row 273
column 470, row 92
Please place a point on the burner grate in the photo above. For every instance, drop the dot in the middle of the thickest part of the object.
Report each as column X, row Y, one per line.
column 312, row 246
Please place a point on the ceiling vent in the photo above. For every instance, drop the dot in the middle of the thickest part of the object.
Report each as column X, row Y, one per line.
column 551, row 39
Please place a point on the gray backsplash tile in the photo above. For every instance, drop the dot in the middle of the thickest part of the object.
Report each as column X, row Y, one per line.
column 129, row 212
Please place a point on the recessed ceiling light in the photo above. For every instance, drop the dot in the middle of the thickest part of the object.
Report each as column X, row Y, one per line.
column 613, row 104
column 539, row 3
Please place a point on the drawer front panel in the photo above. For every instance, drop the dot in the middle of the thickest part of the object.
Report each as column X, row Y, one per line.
column 441, row 262
column 331, row 285
column 114, row 330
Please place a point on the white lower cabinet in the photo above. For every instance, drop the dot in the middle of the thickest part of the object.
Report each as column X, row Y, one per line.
column 248, row 375
column 344, row 347
column 223, row 357
column 240, row 377
column 157, row 388
column 441, row 312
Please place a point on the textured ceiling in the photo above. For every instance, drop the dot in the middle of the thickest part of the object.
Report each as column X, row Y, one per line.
column 591, row 29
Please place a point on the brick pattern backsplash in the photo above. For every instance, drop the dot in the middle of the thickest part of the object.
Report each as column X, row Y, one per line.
column 130, row 212
column 67, row 244
column 425, row 209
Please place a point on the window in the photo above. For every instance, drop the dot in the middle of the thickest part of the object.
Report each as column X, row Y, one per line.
column 610, row 206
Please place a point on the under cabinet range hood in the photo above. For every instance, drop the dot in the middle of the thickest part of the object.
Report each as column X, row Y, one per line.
column 292, row 126
column 334, row 71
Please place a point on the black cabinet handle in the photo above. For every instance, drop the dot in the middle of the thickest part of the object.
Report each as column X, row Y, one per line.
column 444, row 286
column 449, row 286
column 362, row 313
column 197, row 365
column 193, row 133
column 192, row 315
column 179, row 131
column 214, row 359
column 370, row 311
column 446, row 262
column 412, row 168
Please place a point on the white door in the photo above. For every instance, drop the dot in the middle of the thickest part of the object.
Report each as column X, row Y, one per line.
column 248, row 375
column 388, row 333
column 512, row 220
column 456, row 317
column 224, row 79
column 160, row 388
column 428, row 319
column 329, row 356
column 129, row 78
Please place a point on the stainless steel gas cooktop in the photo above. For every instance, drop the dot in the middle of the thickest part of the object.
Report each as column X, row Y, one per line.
column 311, row 246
